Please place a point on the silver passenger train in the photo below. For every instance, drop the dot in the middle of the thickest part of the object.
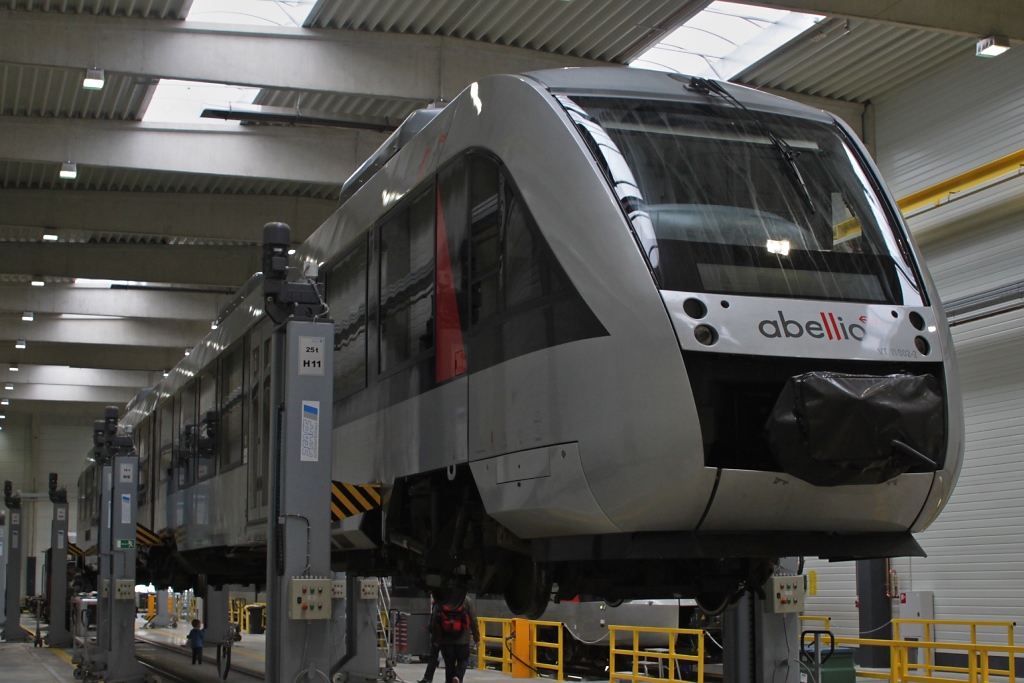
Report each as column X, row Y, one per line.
column 598, row 331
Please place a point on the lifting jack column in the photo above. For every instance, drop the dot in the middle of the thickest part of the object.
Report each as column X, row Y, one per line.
column 12, row 631
column 58, row 635
column 299, row 586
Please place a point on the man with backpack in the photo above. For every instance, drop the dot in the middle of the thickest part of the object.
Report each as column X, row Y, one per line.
column 455, row 628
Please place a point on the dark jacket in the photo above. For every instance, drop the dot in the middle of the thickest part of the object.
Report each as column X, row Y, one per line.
column 195, row 638
column 461, row 638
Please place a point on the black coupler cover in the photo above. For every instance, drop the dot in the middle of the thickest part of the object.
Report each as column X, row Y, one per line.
column 833, row 429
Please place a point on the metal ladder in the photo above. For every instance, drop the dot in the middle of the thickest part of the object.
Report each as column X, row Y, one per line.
column 385, row 630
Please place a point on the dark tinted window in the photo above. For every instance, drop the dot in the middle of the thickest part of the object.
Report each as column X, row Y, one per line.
column 407, row 283
column 346, row 295
column 232, row 373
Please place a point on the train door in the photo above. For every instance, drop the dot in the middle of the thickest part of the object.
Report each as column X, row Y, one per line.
column 259, row 424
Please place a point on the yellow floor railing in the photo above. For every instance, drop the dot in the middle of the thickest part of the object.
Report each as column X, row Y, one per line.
column 494, row 637
column 546, row 640
column 654, row 663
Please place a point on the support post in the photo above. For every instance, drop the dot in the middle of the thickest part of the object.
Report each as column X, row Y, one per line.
column 875, row 612
column 58, row 635
column 3, row 568
column 299, row 585
column 13, row 633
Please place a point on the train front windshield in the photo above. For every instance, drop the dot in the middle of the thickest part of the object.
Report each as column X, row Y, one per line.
column 731, row 201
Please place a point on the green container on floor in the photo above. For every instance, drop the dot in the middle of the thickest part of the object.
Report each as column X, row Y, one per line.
column 839, row 667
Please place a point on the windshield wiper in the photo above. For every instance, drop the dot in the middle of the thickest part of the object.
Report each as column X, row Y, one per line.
column 789, row 155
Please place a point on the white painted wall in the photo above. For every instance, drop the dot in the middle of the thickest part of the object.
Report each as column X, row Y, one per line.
column 949, row 123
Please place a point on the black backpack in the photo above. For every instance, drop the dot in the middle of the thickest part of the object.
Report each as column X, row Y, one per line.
column 453, row 620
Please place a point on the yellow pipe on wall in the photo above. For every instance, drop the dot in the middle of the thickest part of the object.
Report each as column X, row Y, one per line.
column 1010, row 163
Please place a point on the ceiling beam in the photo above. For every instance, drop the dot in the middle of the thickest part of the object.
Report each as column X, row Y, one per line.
column 70, row 392
column 392, row 65
column 204, row 216
column 177, row 264
column 175, row 334
column 126, row 303
column 976, row 18
column 116, row 356
column 305, row 155
column 92, row 377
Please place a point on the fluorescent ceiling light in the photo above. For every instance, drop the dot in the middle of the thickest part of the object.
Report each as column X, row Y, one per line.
column 28, row 316
column 68, row 170
column 19, row 344
column 9, row 387
column 93, row 79
column 724, row 39
column 188, row 350
column 992, row 46
column 3, row 417
column 166, row 373
column 50, row 237
column 5, row 401
column 14, row 367
column 38, row 282
column 251, row 12
column 184, row 101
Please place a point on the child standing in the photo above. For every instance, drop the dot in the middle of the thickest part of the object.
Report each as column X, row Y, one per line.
column 195, row 639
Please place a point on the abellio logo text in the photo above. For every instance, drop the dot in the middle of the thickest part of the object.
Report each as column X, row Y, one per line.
column 830, row 326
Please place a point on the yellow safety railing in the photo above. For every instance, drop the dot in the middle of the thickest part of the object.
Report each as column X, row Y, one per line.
column 237, row 614
column 815, row 620
column 542, row 641
column 494, row 635
column 670, row 662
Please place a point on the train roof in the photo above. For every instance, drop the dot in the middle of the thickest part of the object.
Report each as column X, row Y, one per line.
column 644, row 84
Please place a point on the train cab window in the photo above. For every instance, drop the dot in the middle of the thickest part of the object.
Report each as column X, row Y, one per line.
column 207, row 429
column 231, row 400
column 141, row 439
column 185, row 407
column 407, row 283
column 165, row 422
column 346, row 295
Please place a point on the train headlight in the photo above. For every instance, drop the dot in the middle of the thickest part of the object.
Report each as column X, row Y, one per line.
column 705, row 334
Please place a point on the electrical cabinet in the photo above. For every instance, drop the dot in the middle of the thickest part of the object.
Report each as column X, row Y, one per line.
column 124, row 589
column 309, row 598
column 785, row 594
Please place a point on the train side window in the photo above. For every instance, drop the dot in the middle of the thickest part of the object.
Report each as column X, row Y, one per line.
column 346, row 295
column 165, row 416
column 231, row 401
column 185, row 407
column 407, row 283
column 140, row 437
column 207, row 429
column 486, row 236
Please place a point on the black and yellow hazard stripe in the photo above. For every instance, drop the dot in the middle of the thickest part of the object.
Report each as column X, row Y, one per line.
column 146, row 537
column 75, row 550
column 348, row 500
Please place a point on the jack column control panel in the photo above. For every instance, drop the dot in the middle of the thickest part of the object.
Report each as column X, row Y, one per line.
column 785, row 594
column 309, row 598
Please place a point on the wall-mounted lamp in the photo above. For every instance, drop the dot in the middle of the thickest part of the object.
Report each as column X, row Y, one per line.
column 19, row 344
column 68, row 170
column 992, row 46
column 28, row 316
column 93, row 79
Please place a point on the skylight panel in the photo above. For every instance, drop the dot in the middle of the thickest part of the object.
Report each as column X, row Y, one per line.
column 251, row 12
column 184, row 101
column 725, row 39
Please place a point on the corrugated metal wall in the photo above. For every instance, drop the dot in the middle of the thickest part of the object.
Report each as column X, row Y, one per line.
column 949, row 123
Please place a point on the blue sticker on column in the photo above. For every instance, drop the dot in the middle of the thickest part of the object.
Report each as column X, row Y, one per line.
column 310, row 448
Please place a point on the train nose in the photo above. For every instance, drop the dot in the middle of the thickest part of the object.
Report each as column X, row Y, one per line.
column 833, row 429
